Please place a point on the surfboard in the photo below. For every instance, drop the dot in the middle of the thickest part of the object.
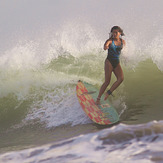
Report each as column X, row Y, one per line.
column 103, row 114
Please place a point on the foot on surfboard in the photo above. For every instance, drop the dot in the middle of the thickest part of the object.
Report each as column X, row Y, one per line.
column 98, row 101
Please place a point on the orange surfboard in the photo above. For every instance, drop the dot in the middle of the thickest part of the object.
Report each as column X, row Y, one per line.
column 103, row 114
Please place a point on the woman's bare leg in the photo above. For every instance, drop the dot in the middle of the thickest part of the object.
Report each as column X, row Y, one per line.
column 119, row 75
column 108, row 71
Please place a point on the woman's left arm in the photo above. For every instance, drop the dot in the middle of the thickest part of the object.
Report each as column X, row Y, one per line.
column 124, row 43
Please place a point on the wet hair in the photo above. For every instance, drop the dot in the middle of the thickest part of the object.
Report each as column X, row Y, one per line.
column 116, row 28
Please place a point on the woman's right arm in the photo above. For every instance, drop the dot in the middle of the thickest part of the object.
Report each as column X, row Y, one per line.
column 107, row 44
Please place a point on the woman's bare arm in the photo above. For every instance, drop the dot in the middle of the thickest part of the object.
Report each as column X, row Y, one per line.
column 107, row 44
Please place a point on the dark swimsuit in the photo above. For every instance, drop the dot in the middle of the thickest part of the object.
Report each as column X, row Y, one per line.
column 114, row 52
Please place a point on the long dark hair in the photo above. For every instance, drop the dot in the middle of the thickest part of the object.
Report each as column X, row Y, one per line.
column 116, row 28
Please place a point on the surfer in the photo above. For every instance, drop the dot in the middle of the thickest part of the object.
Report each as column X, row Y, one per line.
column 114, row 46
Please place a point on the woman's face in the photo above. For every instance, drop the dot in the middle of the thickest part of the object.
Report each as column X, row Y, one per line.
column 116, row 33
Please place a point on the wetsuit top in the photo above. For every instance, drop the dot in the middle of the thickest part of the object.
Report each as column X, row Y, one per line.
column 114, row 53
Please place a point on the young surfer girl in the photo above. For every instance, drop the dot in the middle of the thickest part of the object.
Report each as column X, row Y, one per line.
column 114, row 45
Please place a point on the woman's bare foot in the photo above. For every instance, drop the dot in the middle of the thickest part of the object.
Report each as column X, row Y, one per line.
column 97, row 101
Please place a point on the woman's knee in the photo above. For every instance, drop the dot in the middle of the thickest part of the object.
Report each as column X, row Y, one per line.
column 107, row 82
column 120, row 79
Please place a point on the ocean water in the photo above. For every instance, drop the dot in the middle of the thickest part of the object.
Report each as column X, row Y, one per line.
column 46, row 47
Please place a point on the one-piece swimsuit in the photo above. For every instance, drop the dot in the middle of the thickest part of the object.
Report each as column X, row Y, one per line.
column 114, row 52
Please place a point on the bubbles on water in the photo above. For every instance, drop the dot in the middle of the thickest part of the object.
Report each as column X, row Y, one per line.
column 58, row 107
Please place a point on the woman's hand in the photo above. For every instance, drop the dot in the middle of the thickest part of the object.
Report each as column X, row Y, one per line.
column 107, row 44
